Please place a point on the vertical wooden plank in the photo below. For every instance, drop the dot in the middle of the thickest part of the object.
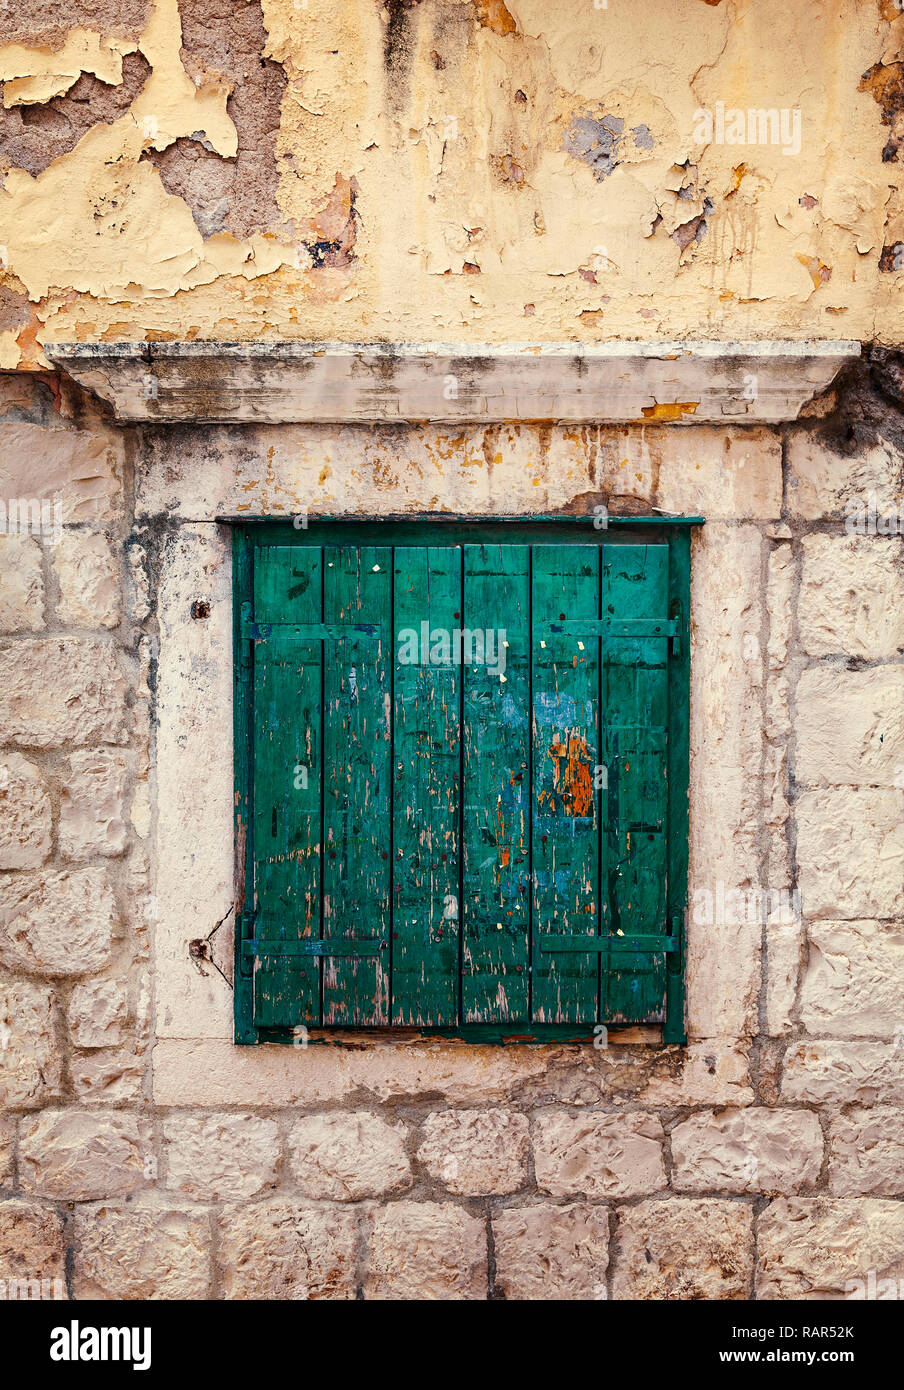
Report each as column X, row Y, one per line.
column 636, row 586
column 357, row 752
column 242, row 709
column 674, row 1029
column 496, row 791
column 287, row 782
column 426, row 786
column 565, row 588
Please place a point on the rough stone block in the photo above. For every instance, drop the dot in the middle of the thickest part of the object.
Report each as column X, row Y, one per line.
column 288, row 1250
column 61, row 690
column 752, row 1150
column 149, row 1249
column 852, row 596
column 598, row 1155
column 825, row 1248
column 81, row 1155
column 426, row 1250
column 25, row 815
column 92, row 815
column 684, row 1249
column 850, row 849
column 21, row 585
column 56, row 922
column 473, row 1152
column 231, row 1155
column 552, row 1253
column 88, row 575
column 348, row 1156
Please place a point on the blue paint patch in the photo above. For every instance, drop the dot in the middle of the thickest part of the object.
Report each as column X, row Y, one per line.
column 552, row 708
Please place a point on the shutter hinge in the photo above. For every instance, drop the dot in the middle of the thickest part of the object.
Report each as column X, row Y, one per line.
column 246, row 932
column 246, row 647
column 313, row 946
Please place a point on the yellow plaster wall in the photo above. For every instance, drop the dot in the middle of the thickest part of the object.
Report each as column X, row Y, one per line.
column 438, row 178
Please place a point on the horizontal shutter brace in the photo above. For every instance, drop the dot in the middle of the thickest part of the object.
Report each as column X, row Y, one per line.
column 608, row 628
column 307, row 632
column 618, row 945
column 314, row 946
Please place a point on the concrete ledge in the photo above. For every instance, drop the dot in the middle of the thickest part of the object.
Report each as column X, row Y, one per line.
column 319, row 383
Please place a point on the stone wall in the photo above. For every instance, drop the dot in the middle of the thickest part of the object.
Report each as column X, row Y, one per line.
column 143, row 1155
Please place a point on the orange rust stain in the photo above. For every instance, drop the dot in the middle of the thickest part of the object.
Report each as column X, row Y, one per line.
column 820, row 273
column 669, row 410
column 29, row 347
column 572, row 781
column 493, row 14
column 885, row 84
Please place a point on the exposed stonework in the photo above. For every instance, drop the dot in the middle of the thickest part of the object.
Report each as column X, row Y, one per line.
column 754, row 1150
column 92, row 804
column 30, row 1060
column 424, row 1168
column 854, row 982
column 32, row 1243
column 850, row 726
column 228, row 1156
column 21, row 585
column 867, row 1153
column 98, row 1013
column 347, row 1157
column 684, row 1249
column 598, row 1155
column 80, row 1155
column 816, row 1247
column 152, row 1248
column 852, row 595
column 87, row 572
column 293, row 1250
column 475, row 1152
column 850, row 847
column 426, row 1250
column 552, row 1252
column 25, row 814
column 57, row 923
column 64, row 690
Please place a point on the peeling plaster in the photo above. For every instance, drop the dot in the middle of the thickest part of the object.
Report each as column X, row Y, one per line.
column 423, row 170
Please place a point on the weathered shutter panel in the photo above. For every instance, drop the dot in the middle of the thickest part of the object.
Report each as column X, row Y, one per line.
column 635, row 713
column 426, row 789
column 566, row 837
column 496, row 793
column 357, row 754
column 287, row 702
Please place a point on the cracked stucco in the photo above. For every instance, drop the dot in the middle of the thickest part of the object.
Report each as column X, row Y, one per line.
column 468, row 169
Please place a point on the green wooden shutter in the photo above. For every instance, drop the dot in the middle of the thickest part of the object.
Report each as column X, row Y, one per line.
column 477, row 836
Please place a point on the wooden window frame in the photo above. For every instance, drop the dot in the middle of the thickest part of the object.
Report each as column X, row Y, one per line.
column 456, row 530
